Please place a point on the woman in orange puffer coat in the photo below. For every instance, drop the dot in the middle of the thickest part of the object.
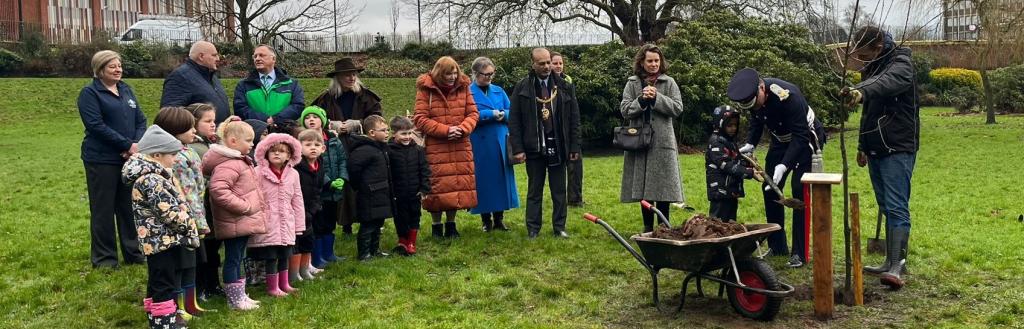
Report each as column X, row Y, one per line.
column 447, row 114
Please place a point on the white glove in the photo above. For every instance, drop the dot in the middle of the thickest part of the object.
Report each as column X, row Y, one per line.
column 779, row 171
column 747, row 149
column 499, row 115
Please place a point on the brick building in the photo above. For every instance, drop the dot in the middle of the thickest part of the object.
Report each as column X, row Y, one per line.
column 76, row 21
column 960, row 19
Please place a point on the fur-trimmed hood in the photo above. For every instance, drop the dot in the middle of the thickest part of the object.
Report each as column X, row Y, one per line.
column 273, row 139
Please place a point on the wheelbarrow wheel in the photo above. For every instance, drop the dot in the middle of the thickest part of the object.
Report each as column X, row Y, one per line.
column 755, row 274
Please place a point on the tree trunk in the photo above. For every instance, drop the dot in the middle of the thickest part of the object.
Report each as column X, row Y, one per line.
column 630, row 34
column 990, row 109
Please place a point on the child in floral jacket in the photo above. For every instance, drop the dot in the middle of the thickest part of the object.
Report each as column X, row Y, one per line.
column 165, row 227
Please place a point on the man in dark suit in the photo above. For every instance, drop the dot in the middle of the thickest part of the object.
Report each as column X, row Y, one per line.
column 543, row 123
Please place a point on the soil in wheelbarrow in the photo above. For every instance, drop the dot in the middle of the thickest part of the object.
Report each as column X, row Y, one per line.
column 699, row 226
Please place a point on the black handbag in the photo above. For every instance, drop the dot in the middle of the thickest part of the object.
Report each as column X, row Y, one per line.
column 634, row 138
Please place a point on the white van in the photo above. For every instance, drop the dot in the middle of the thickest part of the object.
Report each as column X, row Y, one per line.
column 180, row 32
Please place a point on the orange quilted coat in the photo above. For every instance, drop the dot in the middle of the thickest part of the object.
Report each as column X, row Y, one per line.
column 452, row 182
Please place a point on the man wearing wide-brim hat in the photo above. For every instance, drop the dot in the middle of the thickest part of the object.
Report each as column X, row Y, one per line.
column 347, row 102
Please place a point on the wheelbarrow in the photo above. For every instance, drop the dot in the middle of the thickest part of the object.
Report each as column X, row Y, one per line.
column 753, row 288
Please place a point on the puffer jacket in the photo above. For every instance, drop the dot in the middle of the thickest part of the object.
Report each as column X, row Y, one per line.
column 238, row 204
column 311, row 181
column 187, row 170
column 724, row 168
column 371, row 179
column 162, row 217
column 452, row 180
column 410, row 173
column 335, row 165
column 286, row 215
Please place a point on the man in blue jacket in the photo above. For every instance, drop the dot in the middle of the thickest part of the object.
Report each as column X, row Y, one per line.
column 195, row 81
column 268, row 94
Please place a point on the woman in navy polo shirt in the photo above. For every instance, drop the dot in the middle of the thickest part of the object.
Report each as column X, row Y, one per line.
column 114, row 123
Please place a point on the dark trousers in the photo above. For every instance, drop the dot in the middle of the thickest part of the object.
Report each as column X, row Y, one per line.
column 575, row 185
column 775, row 212
column 725, row 209
column 275, row 258
column 648, row 216
column 208, row 268
column 407, row 216
column 327, row 220
column 234, row 252
column 110, row 216
column 536, row 168
column 164, row 274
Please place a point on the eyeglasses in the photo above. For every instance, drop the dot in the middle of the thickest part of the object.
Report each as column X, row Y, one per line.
column 486, row 74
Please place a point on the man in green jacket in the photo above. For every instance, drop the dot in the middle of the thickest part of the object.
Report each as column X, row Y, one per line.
column 268, row 94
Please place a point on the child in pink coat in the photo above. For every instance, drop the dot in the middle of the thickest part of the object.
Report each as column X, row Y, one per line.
column 237, row 203
column 276, row 157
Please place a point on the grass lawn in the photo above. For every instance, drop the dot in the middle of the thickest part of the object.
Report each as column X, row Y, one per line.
column 966, row 255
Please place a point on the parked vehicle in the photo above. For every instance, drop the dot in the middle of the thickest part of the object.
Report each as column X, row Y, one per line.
column 180, row 32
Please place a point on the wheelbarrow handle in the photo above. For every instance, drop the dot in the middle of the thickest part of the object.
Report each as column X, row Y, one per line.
column 661, row 217
column 614, row 234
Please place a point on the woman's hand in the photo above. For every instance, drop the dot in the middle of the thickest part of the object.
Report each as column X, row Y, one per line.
column 649, row 92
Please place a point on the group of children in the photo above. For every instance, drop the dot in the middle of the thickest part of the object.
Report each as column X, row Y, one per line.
column 266, row 193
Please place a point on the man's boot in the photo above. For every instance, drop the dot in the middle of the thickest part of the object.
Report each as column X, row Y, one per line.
column 897, row 252
column 888, row 261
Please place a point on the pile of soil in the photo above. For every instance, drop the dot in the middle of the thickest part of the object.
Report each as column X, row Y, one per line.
column 700, row 226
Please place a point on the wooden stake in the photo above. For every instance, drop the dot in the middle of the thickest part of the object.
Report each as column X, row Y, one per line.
column 858, row 273
column 821, row 212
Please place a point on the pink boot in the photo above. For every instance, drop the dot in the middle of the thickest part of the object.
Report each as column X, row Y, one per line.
column 235, row 292
column 147, row 304
column 245, row 295
column 273, row 288
column 282, row 282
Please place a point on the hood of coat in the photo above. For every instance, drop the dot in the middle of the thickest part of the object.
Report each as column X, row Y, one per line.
column 424, row 81
column 360, row 140
column 273, row 139
column 219, row 154
column 138, row 166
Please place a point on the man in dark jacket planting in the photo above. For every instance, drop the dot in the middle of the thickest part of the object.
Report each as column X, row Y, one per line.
column 196, row 81
column 544, row 132
column 889, row 138
column 268, row 93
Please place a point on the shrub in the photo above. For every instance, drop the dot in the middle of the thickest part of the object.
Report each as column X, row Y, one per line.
column 929, row 99
column 1008, row 88
column 378, row 49
column 944, row 80
column 963, row 98
column 427, row 51
column 9, row 61
column 923, row 65
column 853, row 77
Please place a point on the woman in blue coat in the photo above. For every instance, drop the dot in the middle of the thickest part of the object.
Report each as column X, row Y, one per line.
column 495, row 179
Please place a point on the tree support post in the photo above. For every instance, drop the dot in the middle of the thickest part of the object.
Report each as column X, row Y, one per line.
column 821, row 214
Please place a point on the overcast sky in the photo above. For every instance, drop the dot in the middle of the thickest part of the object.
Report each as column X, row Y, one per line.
column 376, row 13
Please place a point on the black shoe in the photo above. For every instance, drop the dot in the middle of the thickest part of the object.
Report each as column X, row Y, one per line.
column 365, row 257
column 499, row 225
column 532, row 235
column 561, row 234
column 488, row 225
column 450, row 231
column 577, row 204
column 795, row 262
column 437, row 230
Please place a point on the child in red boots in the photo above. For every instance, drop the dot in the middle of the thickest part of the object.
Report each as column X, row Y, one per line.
column 410, row 181
column 277, row 155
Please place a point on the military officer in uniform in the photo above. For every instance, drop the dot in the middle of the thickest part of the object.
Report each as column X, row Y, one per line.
column 795, row 135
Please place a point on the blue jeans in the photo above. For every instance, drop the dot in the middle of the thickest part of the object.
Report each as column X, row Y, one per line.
column 234, row 252
column 890, row 178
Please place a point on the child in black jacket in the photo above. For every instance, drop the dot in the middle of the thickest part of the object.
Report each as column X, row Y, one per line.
column 725, row 169
column 410, row 182
column 369, row 171
column 311, row 179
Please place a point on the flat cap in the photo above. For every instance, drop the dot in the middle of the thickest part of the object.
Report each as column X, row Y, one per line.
column 743, row 88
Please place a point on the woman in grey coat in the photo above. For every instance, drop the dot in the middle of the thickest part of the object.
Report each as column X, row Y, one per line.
column 652, row 174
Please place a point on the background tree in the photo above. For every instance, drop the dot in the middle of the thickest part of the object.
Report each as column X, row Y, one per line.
column 396, row 14
column 254, row 22
column 1001, row 30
